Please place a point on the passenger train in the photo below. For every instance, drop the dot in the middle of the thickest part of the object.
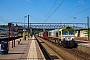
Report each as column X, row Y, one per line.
column 64, row 36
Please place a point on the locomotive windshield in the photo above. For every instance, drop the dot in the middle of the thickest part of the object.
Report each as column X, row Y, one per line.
column 68, row 32
column 71, row 32
column 64, row 32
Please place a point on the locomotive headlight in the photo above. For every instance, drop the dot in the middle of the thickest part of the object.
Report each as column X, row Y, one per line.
column 63, row 38
column 73, row 38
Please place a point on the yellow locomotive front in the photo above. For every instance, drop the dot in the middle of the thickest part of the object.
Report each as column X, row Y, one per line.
column 67, row 37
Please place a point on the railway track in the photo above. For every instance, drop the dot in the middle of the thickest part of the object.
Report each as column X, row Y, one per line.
column 66, row 53
column 51, row 53
column 79, row 54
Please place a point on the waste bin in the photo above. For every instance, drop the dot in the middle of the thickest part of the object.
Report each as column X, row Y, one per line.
column 4, row 46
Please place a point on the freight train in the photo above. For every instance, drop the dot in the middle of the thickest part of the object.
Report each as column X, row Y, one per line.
column 63, row 36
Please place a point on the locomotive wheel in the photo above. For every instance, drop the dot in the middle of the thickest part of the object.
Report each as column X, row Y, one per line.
column 64, row 43
column 73, row 44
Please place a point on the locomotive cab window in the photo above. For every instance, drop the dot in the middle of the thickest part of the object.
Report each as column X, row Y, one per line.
column 71, row 32
column 64, row 32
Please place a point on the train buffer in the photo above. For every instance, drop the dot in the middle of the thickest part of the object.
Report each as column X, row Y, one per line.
column 27, row 50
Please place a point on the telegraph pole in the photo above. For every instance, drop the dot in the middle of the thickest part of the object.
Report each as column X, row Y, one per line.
column 88, row 26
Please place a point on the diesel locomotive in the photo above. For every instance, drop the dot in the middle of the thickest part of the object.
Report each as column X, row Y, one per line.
column 64, row 36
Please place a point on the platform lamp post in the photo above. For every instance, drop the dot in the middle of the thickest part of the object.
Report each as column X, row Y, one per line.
column 88, row 27
column 73, row 21
column 28, row 26
column 24, row 28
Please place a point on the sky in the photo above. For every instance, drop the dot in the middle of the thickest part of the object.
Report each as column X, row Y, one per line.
column 44, row 11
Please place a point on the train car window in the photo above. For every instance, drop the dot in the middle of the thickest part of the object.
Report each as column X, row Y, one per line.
column 71, row 32
column 65, row 32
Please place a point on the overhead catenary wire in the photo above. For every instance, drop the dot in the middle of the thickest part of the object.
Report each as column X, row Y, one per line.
column 80, row 19
column 3, row 20
column 36, row 18
column 72, row 10
column 33, row 17
column 77, row 14
column 54, row 11
column 51, row 9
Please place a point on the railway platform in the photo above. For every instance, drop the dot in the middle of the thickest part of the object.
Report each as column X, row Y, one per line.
column 83, row 45
column 26, row 50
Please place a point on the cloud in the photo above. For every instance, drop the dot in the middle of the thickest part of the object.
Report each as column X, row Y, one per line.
column 80, row 2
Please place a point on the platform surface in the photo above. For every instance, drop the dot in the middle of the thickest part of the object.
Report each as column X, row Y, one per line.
column 35, row 52
column 83, row 43
column 27, row 50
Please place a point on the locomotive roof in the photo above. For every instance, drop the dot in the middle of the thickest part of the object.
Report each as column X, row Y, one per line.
column 70, row 28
